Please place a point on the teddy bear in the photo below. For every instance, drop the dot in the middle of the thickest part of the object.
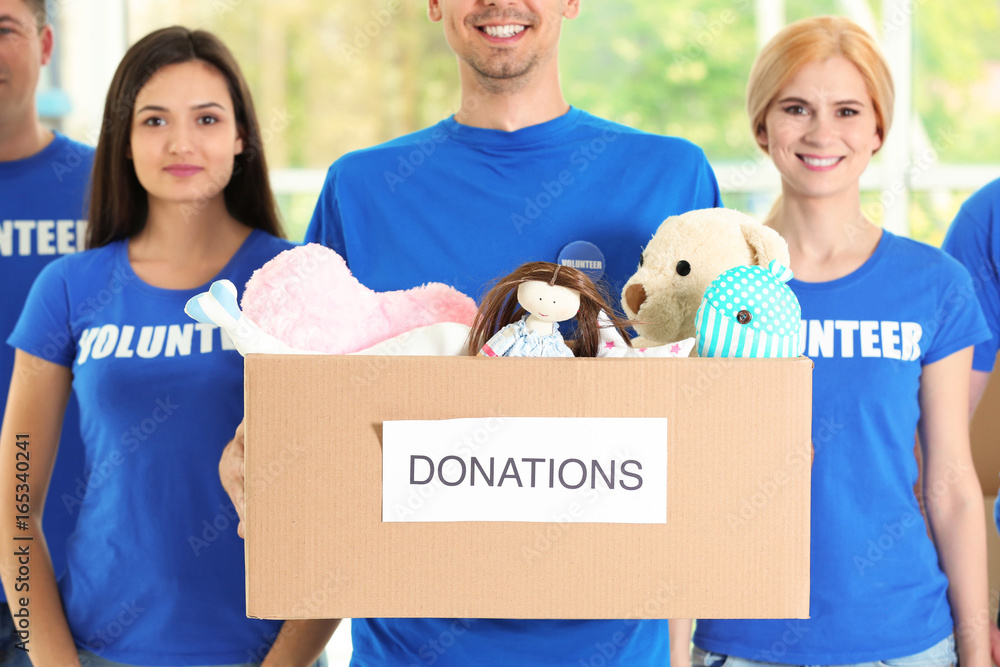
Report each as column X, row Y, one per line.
column 685, row 255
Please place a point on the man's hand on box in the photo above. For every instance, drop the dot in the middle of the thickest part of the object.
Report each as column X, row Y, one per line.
column 231, row 474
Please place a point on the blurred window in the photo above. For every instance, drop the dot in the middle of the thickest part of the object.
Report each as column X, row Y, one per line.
column 331, row 77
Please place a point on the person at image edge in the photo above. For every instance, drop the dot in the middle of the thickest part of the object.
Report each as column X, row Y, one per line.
column 44, row 178
column 180, row 198
column 889, row 327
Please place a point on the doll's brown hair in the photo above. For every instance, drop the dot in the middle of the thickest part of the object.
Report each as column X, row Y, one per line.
column 500, row 307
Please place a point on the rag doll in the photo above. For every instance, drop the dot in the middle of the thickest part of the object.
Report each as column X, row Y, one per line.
column 519, row 316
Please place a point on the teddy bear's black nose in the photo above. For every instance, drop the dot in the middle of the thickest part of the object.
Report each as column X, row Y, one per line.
column 635, row 296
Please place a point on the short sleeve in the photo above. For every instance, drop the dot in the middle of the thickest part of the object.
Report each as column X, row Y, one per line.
column 43, row 329
column 969, row 240
column 326, row 226
column 958, row 321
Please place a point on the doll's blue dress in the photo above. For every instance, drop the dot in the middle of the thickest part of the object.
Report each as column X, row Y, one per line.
column 516, row 340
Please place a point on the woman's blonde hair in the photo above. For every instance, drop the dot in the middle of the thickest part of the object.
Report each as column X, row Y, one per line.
column 814, row 40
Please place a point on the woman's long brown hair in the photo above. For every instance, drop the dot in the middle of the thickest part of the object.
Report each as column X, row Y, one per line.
column 118, row 202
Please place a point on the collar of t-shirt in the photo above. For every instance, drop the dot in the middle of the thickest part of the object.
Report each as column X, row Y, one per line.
column 526, row 136
column 886, row 240
column 25, row 165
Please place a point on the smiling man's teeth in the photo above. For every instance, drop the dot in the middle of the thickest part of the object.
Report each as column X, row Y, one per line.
column 820, row 162
column 502, row 31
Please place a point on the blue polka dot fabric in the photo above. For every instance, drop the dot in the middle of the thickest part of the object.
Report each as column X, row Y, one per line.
column 749, row 311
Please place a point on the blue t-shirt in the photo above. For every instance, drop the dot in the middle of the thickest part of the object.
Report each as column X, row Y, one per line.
column 155, row 569
column 974, row 240
column 877, row 591
column 43, row 216
column 463, row 206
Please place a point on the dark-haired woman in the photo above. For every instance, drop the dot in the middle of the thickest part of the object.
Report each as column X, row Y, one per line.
column 180, row 198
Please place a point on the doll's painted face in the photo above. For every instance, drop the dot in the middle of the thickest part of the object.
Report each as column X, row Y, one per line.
column 548, row 303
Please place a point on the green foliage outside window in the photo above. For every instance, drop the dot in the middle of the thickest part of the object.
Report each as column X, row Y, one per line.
column 330, row 77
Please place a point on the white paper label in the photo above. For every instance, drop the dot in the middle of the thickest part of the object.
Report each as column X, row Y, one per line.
column 525, row 469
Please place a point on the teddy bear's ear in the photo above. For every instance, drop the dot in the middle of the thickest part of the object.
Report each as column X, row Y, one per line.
column 766, row 243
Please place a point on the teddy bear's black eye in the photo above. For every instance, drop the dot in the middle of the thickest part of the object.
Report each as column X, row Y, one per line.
column 641, row 260
column 683, row 268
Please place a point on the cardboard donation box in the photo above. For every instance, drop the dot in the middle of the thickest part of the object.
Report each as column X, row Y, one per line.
column 464, row 487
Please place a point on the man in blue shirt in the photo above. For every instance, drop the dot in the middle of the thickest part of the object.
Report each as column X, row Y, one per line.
column 974, row 240
column 516, row 175
column 44, row 178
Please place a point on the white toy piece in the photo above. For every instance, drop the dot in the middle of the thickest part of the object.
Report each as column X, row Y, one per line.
column 218, row 306
column 613, row 345
column 444, row 339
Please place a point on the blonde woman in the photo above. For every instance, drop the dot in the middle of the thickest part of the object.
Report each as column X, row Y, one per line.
column 890, row 326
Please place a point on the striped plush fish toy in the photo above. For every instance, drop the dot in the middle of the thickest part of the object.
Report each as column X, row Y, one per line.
column 749, row 311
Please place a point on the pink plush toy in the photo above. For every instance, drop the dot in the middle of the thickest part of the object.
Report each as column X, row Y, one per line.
column 307, row 298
